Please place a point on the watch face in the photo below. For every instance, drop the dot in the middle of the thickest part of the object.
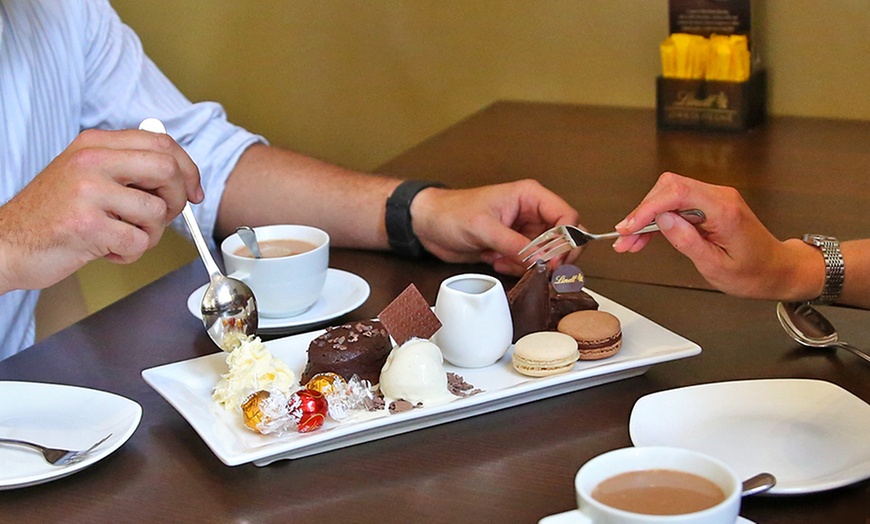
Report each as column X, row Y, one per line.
column 815, row 239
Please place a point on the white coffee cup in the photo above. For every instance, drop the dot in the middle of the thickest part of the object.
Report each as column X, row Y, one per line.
column 476, row 327
column 625, row 460
column 283, row 286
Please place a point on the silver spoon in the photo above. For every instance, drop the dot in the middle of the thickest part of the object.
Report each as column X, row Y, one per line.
column 249, row 237
column 758, row 484
column 806, row 325
column 228, row 305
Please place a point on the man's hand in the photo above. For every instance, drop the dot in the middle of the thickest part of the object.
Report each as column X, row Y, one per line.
column 490, row 223
column 109, row 194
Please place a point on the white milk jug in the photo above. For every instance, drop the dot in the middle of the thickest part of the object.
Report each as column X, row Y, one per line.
column 476, row 328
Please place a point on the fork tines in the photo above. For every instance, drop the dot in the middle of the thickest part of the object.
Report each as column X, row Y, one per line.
column 548, row 244
column 74, row 457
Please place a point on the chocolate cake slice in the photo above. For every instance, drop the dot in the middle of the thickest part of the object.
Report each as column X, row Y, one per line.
column 360, row 348
column 563, row 304
column 529, row 302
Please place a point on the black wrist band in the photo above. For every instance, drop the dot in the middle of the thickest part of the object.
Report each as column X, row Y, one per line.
column 400, row 231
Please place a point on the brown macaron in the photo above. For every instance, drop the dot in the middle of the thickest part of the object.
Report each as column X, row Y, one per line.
column 598, row 333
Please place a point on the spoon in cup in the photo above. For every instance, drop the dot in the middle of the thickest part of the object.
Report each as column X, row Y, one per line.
column 249, row 238
column 757, row 484
column 228, row 306
column 806, row 325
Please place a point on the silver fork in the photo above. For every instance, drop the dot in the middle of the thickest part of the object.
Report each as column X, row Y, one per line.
column 58, row 457
column 560, row 239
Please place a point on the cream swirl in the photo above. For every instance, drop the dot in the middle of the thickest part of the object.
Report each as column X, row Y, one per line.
column 251, row 368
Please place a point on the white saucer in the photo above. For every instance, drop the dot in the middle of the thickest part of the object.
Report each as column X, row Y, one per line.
column 342, row 293
column 574, row 517
column 810, row 434
column 59, row 416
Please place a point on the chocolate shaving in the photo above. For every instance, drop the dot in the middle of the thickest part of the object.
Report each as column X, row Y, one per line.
column 459, row 387
column 400, row 406
column 377, row 403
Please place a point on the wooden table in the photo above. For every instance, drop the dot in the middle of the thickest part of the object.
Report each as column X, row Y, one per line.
column 799, row 175
column 514, row 465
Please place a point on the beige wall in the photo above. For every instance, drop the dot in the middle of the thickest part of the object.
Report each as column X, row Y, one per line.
column 358, row 81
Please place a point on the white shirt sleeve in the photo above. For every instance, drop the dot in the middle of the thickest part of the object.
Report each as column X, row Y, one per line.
column 123, row 87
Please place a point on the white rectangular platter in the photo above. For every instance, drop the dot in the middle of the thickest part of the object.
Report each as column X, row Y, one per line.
column 188, row 385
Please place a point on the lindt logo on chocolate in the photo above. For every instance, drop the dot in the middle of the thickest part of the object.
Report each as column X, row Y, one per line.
column 567, row 278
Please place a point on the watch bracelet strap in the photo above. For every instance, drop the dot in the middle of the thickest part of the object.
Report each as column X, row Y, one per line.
column 835, row 272
column 400, row 230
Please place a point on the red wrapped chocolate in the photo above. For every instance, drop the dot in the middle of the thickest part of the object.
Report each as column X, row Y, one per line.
column 308, row 409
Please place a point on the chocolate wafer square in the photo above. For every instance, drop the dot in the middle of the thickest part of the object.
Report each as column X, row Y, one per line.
column 409, row 316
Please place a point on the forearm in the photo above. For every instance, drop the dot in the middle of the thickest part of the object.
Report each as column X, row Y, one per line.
column 856, row 287
column 489, row 223
column 271, row 186
column 7, row 282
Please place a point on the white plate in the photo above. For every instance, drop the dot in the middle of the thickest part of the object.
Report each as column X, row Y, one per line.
column 59, row 416
column 574, row 517
column 342, row 293
column 187, row 385
column 811, row 434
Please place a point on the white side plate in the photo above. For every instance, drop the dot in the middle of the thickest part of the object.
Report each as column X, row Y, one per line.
column 59, row 416
column 188, row 385
column 812, row 435
column 342, row 293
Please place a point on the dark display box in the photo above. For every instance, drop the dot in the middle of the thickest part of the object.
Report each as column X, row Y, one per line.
column 711, row 105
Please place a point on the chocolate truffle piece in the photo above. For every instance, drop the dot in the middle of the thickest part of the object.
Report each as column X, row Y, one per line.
column 360, row 348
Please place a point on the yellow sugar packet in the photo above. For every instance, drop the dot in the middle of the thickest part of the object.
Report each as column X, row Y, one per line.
column 728, row 58
column 741, row 58
column 684, row 56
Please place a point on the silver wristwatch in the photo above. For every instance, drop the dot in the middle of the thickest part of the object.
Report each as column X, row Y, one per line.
column 835, row 271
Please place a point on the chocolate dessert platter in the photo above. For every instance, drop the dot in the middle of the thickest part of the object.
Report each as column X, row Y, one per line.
column 367, row 379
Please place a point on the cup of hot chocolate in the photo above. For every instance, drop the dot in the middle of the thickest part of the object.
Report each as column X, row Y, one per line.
column 289, row 278
column 645, row 485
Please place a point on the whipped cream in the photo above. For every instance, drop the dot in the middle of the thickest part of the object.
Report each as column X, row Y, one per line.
column 251, row 368
column 415, row 372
